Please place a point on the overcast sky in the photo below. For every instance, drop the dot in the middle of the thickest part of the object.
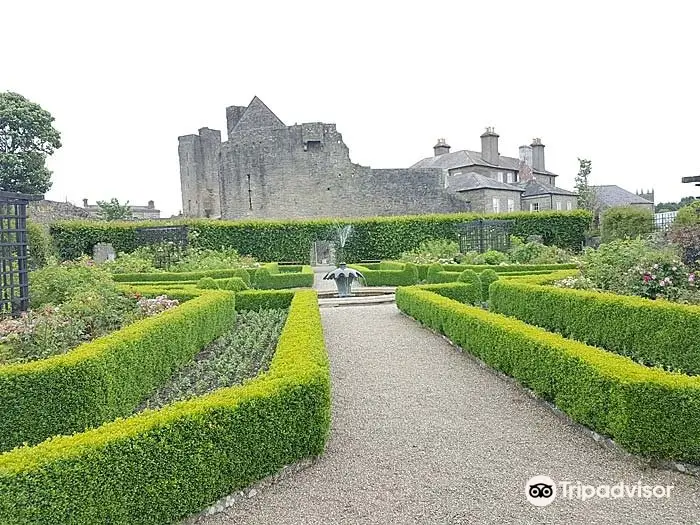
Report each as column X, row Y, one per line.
column 613, row 81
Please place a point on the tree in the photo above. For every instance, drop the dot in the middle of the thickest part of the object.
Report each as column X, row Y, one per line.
column 674, row 206
column 27, row 137
column 586, row 194
column 113, row 211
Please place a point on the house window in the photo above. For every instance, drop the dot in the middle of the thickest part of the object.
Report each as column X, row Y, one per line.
column 511, row 205
column 511, row 177
column 558, row 205
column 496, row 205
column 569, row 206
column 499, row 176
column 534, row 206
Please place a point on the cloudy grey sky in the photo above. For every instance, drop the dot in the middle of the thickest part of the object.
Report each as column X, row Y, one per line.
column 613, row 81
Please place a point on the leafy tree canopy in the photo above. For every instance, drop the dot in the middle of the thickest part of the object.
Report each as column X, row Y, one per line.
column 673, row 206
column 27, row 137
column 113, row 211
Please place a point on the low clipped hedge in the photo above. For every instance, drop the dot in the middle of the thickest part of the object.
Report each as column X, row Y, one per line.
column 160, row 466
column 652, row 332
column 645, row 410
column 108, row 377
column 459, row 291
column 372, row 238
column 269, row 277
column 263, row 299
column 404, row 277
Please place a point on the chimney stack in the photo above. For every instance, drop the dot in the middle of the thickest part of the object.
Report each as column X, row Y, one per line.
column 441, row 147
column 525, row 166
column 151, row 205
column 85, row 204
column 489, row 146
column 537, row 155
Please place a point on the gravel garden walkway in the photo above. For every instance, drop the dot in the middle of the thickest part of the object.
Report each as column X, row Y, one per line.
column 423, row 434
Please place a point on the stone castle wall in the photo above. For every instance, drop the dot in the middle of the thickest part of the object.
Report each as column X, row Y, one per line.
column 277, row 171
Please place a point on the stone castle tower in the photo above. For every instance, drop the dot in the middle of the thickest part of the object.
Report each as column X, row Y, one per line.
column 267, row 169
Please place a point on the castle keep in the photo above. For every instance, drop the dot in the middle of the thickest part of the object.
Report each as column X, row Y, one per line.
column 267, row 169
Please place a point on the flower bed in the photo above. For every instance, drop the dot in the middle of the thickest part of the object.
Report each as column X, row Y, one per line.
column 107, row 377
column 160, row 466
column 645, row 410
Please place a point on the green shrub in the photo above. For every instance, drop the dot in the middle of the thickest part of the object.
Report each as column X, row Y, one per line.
column 656, row 333
column 433, row 271
column 270, row 278
column 161, row 466
column 432, row 251
column 626, row 222
column 406, row 276
column 207, row 283
column 536, row 253
column 263, row 299
column 459, row 291
column 38, row 245
column 108, row 377
column 372, row 237
column 487, row 277
column 688, row 215
column 646, row 411
column 243, row 274
column 411, row 270
column 472, row 279
column 234, row 284
column 492, row 257
column 56, row 284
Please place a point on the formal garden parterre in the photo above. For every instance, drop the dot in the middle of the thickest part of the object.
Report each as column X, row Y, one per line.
column 176, row 385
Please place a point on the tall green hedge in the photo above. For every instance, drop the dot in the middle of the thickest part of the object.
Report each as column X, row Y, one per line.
column 372, row 238
column 107, row 377
column 652, row 332
column 626, row 222
column 158, row 467
column 645, row 410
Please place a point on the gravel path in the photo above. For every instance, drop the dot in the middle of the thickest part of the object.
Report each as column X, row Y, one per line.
column 422, row 434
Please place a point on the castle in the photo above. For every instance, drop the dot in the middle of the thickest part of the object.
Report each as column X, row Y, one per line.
column 267, row 169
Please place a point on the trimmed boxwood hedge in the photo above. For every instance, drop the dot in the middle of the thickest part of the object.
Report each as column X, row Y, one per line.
column 372, row 237
column 645, row 410
column 160, row 466
column 107, row 377
column 652, row 332
column 269, row 277
column 459, row 291
column 406, row 276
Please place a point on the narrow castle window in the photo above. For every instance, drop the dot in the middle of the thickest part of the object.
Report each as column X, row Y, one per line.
column 250, row 194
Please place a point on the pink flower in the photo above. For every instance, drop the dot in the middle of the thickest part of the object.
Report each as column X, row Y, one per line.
column 646, row 277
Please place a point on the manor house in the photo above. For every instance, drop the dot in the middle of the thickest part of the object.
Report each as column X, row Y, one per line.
column 267, row 169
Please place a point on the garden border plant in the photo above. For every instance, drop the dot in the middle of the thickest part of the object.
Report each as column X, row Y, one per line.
column 657, row 333
column 161, row 466
column 645, row 410
column 109, row 376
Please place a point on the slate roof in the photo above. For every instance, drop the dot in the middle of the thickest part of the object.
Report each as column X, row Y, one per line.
column 465, row 158
column 611, row 195
column 474, row 181
column 533, row 187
